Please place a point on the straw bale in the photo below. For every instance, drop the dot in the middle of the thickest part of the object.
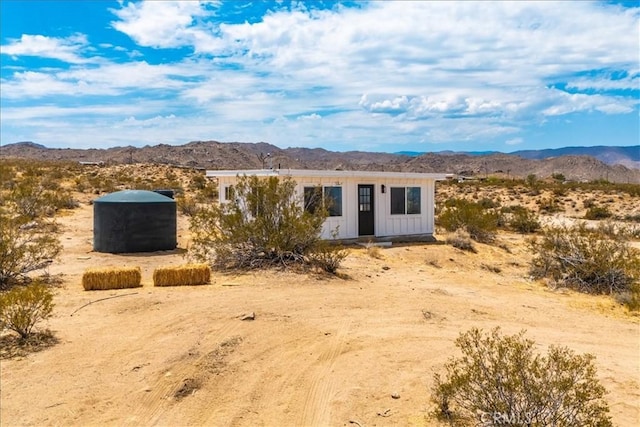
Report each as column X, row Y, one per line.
column 111, row 278
column 182, row 275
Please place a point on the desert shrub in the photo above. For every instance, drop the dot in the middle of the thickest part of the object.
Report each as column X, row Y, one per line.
column 632, row 218
column 24, row 306
column 62, row 199
column 549, row 205
column 29, row 199
column 524, row 220
column 481, row 224
column 487, row 203
column 187, row 205
column 374, row 251
column 265, row 225
column 25, row 246
column 588, row 203
column 558, row 177
column 630, row 298
column 597, row 212
column 500, row 380
column 327, row 256
column 461, row 240
column 598, row 261
column 532, row 180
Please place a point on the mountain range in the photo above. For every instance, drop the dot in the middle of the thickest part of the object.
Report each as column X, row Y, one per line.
column 616, row 164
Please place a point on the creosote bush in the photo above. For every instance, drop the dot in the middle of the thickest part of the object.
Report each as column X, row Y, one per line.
column 461, row 240
column 597, row 261
column 598, row 212
column 523, row 220
column 265, row 225
column 24, row 306
column 25, row 246
column 480, row 223
column 500, row 380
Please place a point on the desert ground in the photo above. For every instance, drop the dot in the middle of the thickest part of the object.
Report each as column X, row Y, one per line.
column 357, row 349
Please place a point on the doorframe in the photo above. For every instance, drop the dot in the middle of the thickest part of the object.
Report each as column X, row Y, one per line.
column 372, row 215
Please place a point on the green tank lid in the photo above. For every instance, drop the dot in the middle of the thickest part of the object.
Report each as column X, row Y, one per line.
column 134, row 196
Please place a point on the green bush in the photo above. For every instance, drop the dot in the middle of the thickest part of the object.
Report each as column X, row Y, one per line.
column 25, row 246
column 524, row 220
column 598, row 261
column 549, row 205
column 462, row 241
column 598, row 212
column 500, row 380
column 327, row 256
column 265, row 225
column 480, row 223
column 187, row 205
column 24, row 306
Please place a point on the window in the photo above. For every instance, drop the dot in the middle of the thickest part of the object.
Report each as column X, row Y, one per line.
column 330, row 197
column 229, row 193
column 413, row 200
column 364, row 196
column 397, row 201
column 333, row 200
column 312, row 198
column 405, row 200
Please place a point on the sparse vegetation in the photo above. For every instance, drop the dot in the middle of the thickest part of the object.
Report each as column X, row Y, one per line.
column 25, row 246
column 461, row 240
column 23, row 307
column 523, row 220
column 598, row 212
column 460, row 214
column 500, row 380
column 597, row 261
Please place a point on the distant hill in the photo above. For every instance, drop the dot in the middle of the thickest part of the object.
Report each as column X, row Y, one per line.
column 240, row 155
column 626, row 156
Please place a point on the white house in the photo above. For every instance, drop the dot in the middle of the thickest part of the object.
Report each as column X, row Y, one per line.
column 364, row 205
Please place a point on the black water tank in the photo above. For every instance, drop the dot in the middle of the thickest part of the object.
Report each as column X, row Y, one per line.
column 168, row 193
column 134, row 221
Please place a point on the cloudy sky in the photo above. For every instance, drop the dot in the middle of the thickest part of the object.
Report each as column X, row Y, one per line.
column 374, row 76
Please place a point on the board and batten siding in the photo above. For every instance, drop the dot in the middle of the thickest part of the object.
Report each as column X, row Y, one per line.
column 385, row 224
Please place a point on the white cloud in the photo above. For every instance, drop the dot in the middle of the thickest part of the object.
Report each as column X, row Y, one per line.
column 64, row 49
column 385, row 72
column 166, row 24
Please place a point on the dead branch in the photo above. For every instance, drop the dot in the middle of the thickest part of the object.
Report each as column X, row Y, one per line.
column 101, row 299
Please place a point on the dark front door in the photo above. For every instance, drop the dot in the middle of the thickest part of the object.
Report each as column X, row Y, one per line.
column 365, row 210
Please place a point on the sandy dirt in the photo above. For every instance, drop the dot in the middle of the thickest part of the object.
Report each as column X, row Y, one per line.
column 320, row 352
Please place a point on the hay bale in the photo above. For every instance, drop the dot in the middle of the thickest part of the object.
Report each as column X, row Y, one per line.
column 111, row 278
column 182, row 275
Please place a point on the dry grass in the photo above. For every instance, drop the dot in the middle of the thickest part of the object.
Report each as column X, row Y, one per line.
column 182, row 275
column 111, row 278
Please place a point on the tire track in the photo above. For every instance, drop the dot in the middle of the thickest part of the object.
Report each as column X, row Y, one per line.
column 171, row 380
column 316, row 410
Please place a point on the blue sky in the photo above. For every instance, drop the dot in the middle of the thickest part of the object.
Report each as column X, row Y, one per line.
column 373, row 76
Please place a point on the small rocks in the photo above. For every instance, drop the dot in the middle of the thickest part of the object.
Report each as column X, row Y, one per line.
column 248, row 316
column 395, row 395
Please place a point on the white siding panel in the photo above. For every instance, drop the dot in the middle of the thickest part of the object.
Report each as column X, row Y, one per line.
column 385, row 224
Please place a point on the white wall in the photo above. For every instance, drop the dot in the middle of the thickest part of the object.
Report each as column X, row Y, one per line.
column 386, row 225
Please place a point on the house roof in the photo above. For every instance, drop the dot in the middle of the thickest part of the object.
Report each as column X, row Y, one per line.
column 311, row 173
